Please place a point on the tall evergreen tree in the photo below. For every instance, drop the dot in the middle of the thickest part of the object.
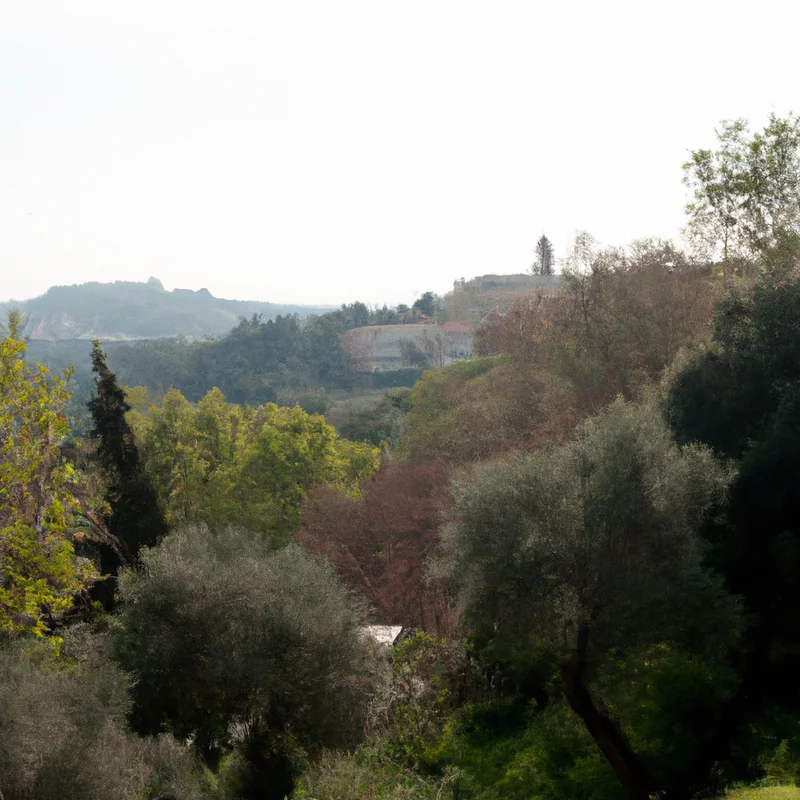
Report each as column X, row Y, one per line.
column 135, row 519
column 545, row 262
column 426, row 304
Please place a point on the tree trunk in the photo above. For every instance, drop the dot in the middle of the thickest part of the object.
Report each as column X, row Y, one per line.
column 604, row 730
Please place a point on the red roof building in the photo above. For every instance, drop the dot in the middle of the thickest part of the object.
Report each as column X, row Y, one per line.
column 455, row 327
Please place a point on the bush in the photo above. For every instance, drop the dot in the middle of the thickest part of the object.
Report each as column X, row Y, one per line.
column 239, row 646
column 63, row 735
column 312, row 401
column 395, row 378
column 764, row 793
column 368, row 773
column 382, row 424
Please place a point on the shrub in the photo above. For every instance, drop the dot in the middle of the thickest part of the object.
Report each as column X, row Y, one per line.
column 63, row 735
column 240, row 646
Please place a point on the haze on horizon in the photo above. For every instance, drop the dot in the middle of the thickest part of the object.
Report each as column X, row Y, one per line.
column 321, row 153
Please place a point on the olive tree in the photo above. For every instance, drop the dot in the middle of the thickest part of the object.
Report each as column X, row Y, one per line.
column 63, row 734
column 235, row 645
column 592, row 547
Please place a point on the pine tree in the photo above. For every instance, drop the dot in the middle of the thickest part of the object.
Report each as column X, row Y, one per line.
column 544, row 257
column 134, row 518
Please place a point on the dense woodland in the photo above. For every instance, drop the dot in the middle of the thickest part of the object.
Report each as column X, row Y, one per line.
column 589, row 532
column 286, row 359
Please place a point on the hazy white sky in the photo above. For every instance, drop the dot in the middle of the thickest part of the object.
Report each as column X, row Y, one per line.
column 324, row 152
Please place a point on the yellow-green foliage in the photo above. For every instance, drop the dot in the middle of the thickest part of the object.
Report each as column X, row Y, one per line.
column 218, row 462
column 765, row 793
column 479, row 409
column 39, row 572
column 453, row 414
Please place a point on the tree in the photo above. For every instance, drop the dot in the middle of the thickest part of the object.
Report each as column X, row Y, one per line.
column 741, row 396
column 472, row 410
column 135, row 518
column 434, row 346
column 322, row 354
column 545, row 262
column 380, row 425
column 593, row 548
column 64, row 734
column 40, row 514
column 624, row 321
column 746, row 194
column 617, row 324
column 356, row 314
column 380, row 543
column 426, row 304
column 239, row 646
column 223, row 464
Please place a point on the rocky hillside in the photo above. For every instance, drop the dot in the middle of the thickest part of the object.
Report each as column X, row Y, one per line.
column 127, row 310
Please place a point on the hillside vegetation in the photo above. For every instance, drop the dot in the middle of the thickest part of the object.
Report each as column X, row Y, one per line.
column 588, row 536
column 471, row 300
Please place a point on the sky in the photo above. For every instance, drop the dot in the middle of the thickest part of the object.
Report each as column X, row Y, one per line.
column 326, row 152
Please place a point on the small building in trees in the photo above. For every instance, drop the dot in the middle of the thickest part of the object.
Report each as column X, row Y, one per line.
column 459, row 339
column 387, row 635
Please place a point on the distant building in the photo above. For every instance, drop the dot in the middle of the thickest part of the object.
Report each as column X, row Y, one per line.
column 382, row 348
column 455, row 327
column 459, row 340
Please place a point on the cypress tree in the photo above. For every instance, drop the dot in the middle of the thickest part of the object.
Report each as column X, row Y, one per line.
column 544, row 257
column 134, row 519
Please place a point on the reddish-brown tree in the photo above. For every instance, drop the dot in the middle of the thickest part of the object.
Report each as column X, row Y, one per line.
column 524, row 331
column 618, row 322
column 380, row 543
column 615, row 327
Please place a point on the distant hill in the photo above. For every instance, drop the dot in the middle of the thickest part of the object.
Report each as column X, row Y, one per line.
column 125, row 310
column 470, row 301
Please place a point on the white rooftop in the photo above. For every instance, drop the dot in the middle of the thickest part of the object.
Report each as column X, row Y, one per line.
column 384, row 634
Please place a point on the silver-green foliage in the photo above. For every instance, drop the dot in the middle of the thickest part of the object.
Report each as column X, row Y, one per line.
column 229, row 640
column 599, row 535
column 63, row 735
